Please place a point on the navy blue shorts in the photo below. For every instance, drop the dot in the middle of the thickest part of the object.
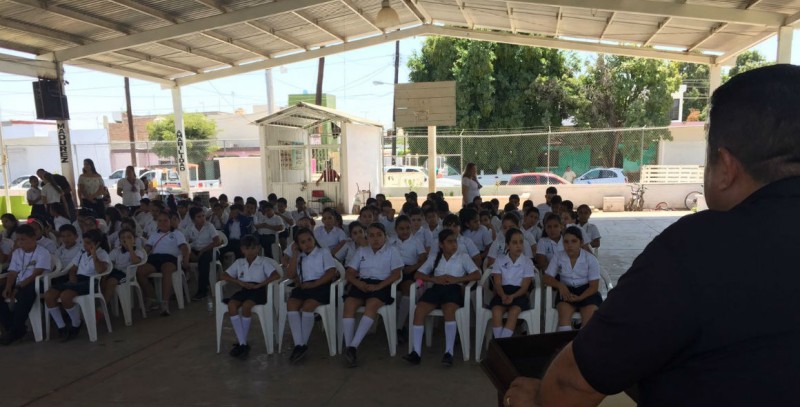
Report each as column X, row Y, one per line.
column 320, row 294
column 160, row 259
column 385, row 294
column 258, row 296
column 442, row 294
column 594, row 299
column 118, row 275
column 81, row 286
column 523, row 302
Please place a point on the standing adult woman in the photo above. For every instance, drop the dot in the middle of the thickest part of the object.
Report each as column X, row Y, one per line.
column 470, row 187
column 90, row 189
column 131, row 189
column 51, row 192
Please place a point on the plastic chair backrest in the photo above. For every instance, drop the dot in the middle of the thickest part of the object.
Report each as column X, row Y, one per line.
column 276, row 265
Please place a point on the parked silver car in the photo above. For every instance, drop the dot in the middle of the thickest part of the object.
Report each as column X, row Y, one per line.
column 602, row 176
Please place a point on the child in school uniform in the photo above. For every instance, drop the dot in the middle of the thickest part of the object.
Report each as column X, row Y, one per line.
column 551, row 242
column 202, row 238
column 358, row 238
column 465, row 245
column 69, row 248
column 330, row 235
column 387, row 218
column 92, row 260
column 545, row 207
column 42, row 240
column 163, row 249
column 302, row 223
column 568, row 218
column 10, row 225
column 301, row 210
column 121, row 257
column 578, row 280
column 280, row 209
column 448, row 270
column 269, row 226
column 251, row 272
column 370, row 274
column 59, row 215
column 512, row 275
column 590, row 232
column 418, row 228
column 530, row 223
column 472, row 229
column 366, row 216
column 414, row 254
column 313, row 270
column 433, row 225
column 35, row 198
column 28, row 261
column 486, row 221
column 238, row 226
column 500, row 246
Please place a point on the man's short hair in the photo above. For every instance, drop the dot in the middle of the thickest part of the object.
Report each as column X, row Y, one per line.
column 755, row 116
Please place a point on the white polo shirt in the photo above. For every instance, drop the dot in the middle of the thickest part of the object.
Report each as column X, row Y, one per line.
column 275, row 220
column 464, row 246
column 313, row 266
column 410, row 249
column 482, row 237
column 50, row 193
column 6, row 245
column 534, row 232
column 346, row 253
column 498, row 248
column 512, row 272
column 122, row 260
column 66, row 255
column 199, row 239
column 586, row 268
column 590, row 232
column 47, row 244
column 329, row 239
column 376, row 265
column 388, row 225
column 459, row 265
column 257, row 272
column 425, row 236
column 297, row 215
column 26, row 263
column 34, row 196
column 549, row 248
column 166, row 243
column 85, row 262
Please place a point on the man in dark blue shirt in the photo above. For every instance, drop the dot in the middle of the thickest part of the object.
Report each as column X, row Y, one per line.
column 708, row 314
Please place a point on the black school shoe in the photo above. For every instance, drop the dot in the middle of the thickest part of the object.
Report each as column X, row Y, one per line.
column 413, row 358
column 298, row 353
column 350, row 356
column 447, row 360
column 245, row 351
column 402, row 335
column 236, row 351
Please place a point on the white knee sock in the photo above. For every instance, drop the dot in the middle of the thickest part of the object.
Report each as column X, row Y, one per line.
column 506, row 333
column 74, row 315
column 363, row 328
column 295, row 327
column 308, row 326
column 418, row 331
column 245, row 330
column 564, row 328
column 347, row 328
column 55, row 313
column 402, row 312
column 236, row 321
column 450, row 336
column 497, row 332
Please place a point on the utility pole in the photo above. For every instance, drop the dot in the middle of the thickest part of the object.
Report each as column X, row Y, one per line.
column 131, row 135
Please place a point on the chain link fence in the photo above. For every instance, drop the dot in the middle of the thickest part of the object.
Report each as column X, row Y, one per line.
column 535, row 150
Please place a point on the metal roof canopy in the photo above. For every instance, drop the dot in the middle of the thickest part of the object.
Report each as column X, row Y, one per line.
column 180, row 42
column 306, row 115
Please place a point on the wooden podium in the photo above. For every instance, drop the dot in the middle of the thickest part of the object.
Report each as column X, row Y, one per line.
column 527, row 356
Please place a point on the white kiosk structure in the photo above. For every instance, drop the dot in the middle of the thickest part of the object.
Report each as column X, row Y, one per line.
column 294, row 154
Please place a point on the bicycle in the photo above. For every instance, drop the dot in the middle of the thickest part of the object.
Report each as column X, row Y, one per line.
column 663, row 206
column 691, row 199
column 636, row 202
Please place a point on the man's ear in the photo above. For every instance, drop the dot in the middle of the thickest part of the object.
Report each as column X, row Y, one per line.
column 729, row 169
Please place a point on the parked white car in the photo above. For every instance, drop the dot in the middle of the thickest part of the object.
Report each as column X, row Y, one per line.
column 111, row 181
column 406, row 176
column 602, row 176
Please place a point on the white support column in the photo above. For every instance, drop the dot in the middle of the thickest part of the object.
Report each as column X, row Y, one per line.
column 182, row 158
column 714, row 78
column 431, row 158
column 266, row 173
column 64, row 140
column 785, row 35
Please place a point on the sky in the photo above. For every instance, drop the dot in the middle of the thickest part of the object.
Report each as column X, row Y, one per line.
column 350, row 76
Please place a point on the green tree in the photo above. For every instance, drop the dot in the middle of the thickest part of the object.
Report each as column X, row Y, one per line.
column 746, row 61
column 498, row 86
column 620, row 92
column 200, row 133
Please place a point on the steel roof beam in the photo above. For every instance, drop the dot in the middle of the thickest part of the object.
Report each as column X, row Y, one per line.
column 316, row 24
column 354, row 8
column 418, row 11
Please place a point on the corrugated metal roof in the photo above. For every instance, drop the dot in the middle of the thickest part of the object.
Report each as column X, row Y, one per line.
column 268, row 30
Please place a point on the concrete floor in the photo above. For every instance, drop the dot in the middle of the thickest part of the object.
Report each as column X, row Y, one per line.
column 172, row 361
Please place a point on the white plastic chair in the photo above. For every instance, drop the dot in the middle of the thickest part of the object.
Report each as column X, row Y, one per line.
column 179, row 284
column 88, row 305
column 388, row 314
column 216, row 263
column 462, row 320
column 327, row 312
column 124, row 294
column 552, row 313
column 483, row 315
column 35, row 314
column 264, row 312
